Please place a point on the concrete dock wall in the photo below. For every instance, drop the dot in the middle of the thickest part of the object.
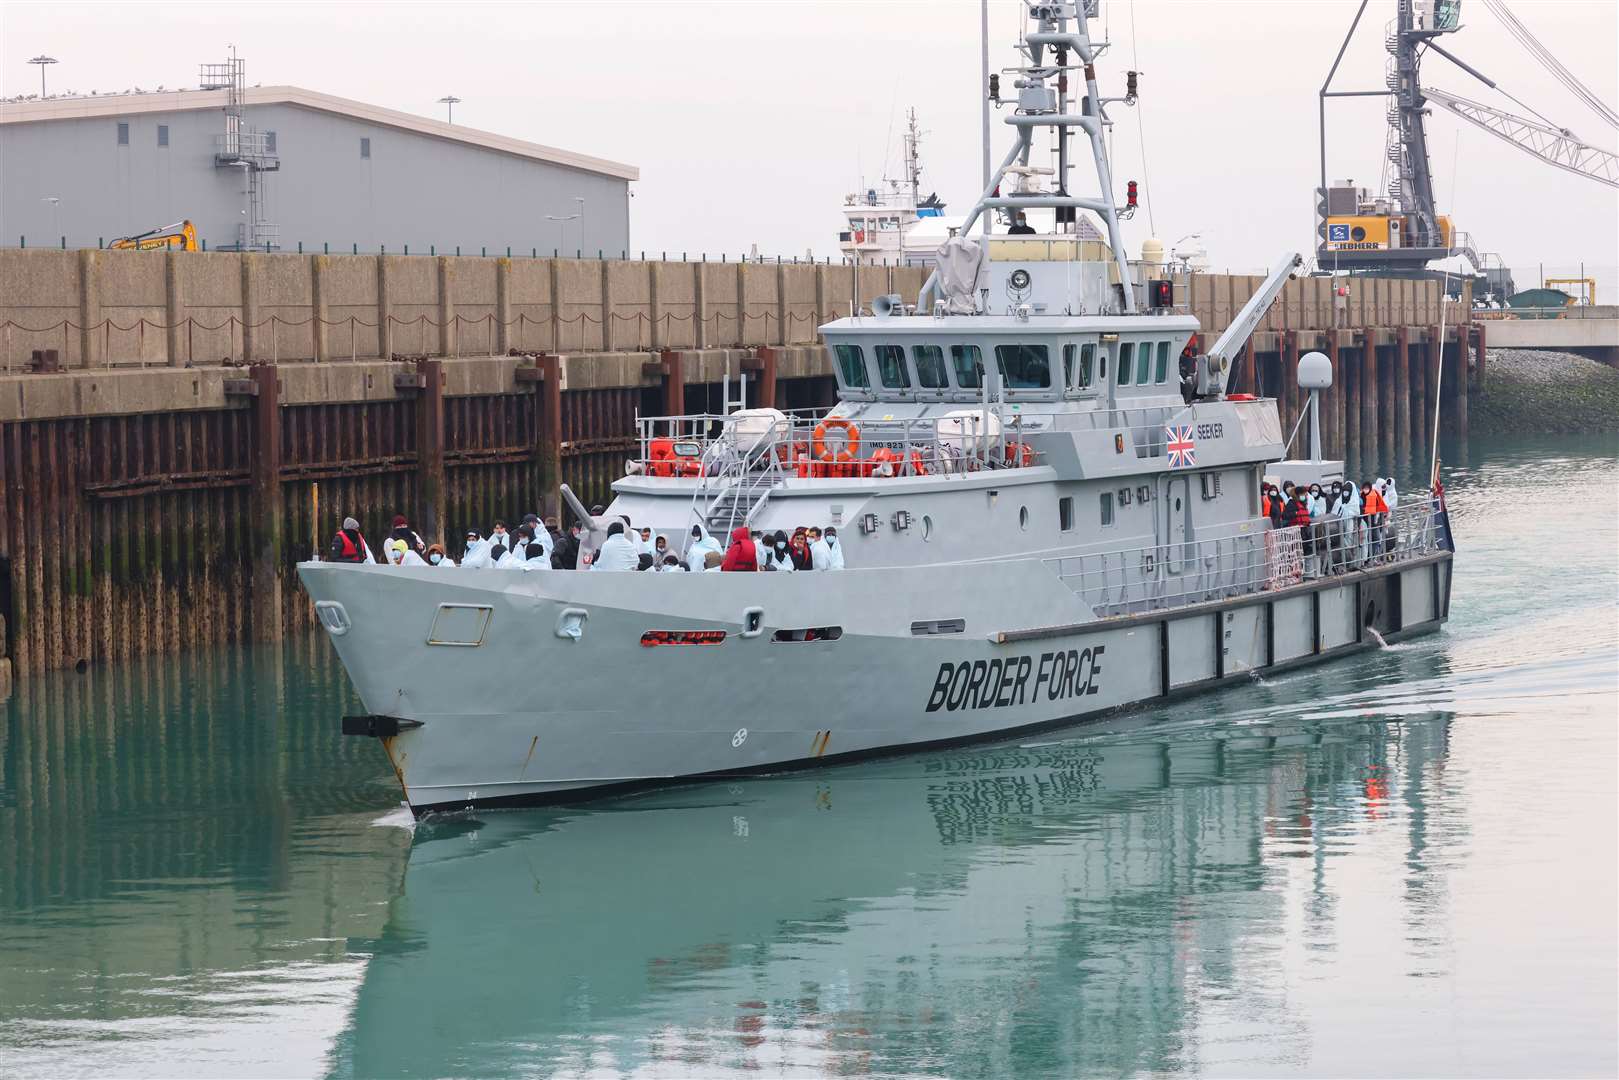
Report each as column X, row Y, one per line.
column 115, row 309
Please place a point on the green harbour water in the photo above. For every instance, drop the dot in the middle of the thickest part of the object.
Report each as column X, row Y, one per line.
column 1398, row 864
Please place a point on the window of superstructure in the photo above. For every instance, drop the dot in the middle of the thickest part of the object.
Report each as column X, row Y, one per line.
column 891, row 367
column 1126, row 355
column 1079, row 365
column 852, row 362
column 1107, row 508
column 162, row 134
column 969, row 366
column 1161, row 371
column 123, row 133
column 930, row 372
column 365, row 148
column 1065, row 513
column 269, row 142
column 1024, row 367
column 1144, row 365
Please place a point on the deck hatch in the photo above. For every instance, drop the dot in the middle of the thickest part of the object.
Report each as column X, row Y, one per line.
column 462, row 625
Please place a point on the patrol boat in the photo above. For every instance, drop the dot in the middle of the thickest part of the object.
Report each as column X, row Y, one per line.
column 1048, row 507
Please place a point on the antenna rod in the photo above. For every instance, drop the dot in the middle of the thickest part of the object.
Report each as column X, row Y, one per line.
column 983, row 84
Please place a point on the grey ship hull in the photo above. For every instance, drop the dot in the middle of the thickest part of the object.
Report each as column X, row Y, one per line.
column 532, row 715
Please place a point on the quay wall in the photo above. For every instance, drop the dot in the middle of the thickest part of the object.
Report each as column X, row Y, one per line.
column 216, row 415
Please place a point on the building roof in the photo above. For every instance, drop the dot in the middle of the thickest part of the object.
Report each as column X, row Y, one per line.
column 79, row 108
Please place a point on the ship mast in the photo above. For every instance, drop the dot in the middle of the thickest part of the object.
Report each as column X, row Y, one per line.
column 1057, row 42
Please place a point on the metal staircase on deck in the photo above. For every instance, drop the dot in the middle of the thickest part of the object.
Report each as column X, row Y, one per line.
column 737, row 503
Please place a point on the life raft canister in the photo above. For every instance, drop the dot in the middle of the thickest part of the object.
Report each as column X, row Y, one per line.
column 851, row 440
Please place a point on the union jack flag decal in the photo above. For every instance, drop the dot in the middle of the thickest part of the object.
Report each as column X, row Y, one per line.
column 1180, row 445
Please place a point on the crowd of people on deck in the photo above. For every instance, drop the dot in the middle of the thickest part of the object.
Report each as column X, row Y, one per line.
column 1340, row 522
column 537, row 543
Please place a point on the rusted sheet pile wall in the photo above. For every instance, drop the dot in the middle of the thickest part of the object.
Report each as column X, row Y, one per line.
column 127, row 534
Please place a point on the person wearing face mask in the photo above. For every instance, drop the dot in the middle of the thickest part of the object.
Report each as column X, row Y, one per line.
column 1274, row 506
column 1316, row 501
column 698, row 548
column 778, row 553
column 437, row 557
column 500, row 538
column 660, row 548
column 831, row 539
column 476, row 554
column 820, row 554
column 404, row 556
column 1347, row 542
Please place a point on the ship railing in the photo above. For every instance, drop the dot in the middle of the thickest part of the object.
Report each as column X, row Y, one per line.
column 713, row 447
column 1162, row 576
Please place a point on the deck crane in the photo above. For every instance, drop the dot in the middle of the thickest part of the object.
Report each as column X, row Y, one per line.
column 1400, row 231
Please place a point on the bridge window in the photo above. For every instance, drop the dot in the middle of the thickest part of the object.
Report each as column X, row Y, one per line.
column 1024, row 367
column 891, row 367
column 969, row 365
column 1144, row 366
column 1126, row 355
column 1107, row 508
column 1078, row 365
column 930, row 371
column 1161, row 374
column 852, row 363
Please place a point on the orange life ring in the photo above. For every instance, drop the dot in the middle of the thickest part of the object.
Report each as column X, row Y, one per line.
column 919, row 465
column 1240, row 397
column 851, row 435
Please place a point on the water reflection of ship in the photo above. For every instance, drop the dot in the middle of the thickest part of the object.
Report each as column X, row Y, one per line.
column 1034, row 909
column 177, row 817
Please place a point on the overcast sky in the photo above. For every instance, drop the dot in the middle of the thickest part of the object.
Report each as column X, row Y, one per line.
column 751, row 121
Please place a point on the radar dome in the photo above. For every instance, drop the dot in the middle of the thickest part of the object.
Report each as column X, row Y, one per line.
column 1315, row 371
column 1152, row 251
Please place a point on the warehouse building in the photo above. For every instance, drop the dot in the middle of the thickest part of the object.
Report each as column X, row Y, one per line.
column 279, row 166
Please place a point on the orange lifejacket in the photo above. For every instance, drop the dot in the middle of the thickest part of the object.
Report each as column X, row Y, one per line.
column 1374, row 504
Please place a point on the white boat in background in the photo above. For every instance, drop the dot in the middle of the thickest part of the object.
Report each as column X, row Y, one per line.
column 897, row 225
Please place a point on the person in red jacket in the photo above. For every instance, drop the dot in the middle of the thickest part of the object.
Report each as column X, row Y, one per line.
column 741, row 554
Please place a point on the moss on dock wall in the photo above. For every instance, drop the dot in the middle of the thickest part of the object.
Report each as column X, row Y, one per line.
column 1536, row 392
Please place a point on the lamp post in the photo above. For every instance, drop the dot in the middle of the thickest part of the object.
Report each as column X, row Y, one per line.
column 449, row 101
column 559, row 219
column 56, row 221
column 42, row 60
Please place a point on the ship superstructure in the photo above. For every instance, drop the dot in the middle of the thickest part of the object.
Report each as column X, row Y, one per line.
column 1047, row 503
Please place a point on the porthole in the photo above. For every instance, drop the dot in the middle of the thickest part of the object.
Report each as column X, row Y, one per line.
column 927, row 527
column 1023, row 517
